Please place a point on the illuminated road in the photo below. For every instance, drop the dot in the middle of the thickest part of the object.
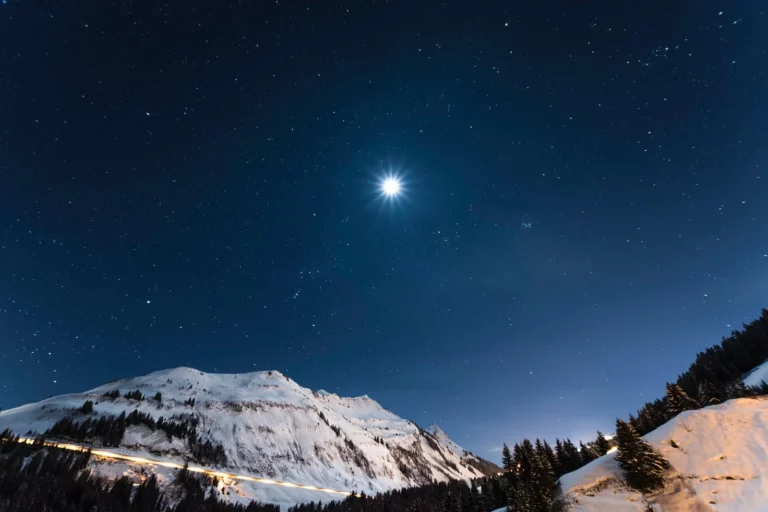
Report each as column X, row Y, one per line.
column 105, row 454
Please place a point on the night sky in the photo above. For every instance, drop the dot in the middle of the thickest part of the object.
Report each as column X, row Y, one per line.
column 190, row 184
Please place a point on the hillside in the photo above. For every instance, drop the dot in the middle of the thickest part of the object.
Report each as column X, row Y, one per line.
column 265, row 425
column 719, row 458
column 481, row 465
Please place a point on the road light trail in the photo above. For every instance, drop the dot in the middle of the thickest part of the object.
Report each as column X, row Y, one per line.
column 106, row 454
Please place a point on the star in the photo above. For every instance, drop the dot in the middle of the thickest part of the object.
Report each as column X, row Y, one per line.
column 390, row 186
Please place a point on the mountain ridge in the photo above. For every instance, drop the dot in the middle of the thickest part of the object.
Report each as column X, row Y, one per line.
column 265, row 424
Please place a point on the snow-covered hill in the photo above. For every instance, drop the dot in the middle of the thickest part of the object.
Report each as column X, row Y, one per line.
column 268, row 426
column 719, row 456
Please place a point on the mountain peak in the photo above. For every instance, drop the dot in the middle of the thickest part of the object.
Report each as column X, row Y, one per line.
column 435, row 430
column 262, row 424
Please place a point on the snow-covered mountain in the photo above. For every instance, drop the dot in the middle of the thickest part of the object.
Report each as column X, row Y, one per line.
column 481, row 465
column 719, row 458
column 268, row 426
column 443, row 439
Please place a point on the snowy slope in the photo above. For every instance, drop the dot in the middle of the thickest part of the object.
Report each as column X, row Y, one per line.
column 756, row 376
column 443, row 438
column 269, row 426
column 472, row 460
column 720, row 464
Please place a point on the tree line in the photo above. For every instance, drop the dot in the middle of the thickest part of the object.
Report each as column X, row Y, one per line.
column 35, row 477
column 528, row 484
column 481, row 495
column 714, row 377
column 109, row 430
column 132, row 395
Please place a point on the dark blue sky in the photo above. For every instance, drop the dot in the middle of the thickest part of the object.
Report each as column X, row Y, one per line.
column 196, row 184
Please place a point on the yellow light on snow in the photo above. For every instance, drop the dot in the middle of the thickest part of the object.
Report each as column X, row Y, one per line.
column 105, row 454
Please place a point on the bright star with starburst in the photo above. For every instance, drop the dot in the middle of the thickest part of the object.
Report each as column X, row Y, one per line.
column 391, row 186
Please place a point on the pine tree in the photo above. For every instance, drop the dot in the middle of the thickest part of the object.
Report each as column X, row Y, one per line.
column 643, row 467
column 737, row 389
column 493, row 493
column 660, row 412
column 523, row 497
column 147, row 495
column 601, row 444
column 551, row 458
column 586, row 453
column 522, row 461
column 572, row 458
column 451, row 502
column 122, row 490
column 543, row 479
column 644, row 421
column 506, row 458
column 87, row 407
column 521, row 494
column 116, row 431
column 478, row 504
column 560, row 459
column 633, row 421
column 708, row 394
column 678, row 400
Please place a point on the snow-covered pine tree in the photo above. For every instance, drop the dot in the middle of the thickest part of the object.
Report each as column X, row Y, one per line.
column 543, row 478
column 678, row 400
column 551, row 458
column 524, row 498
column 535, row 483
column 523, row 460
column 503, row 490
column 643, row 467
